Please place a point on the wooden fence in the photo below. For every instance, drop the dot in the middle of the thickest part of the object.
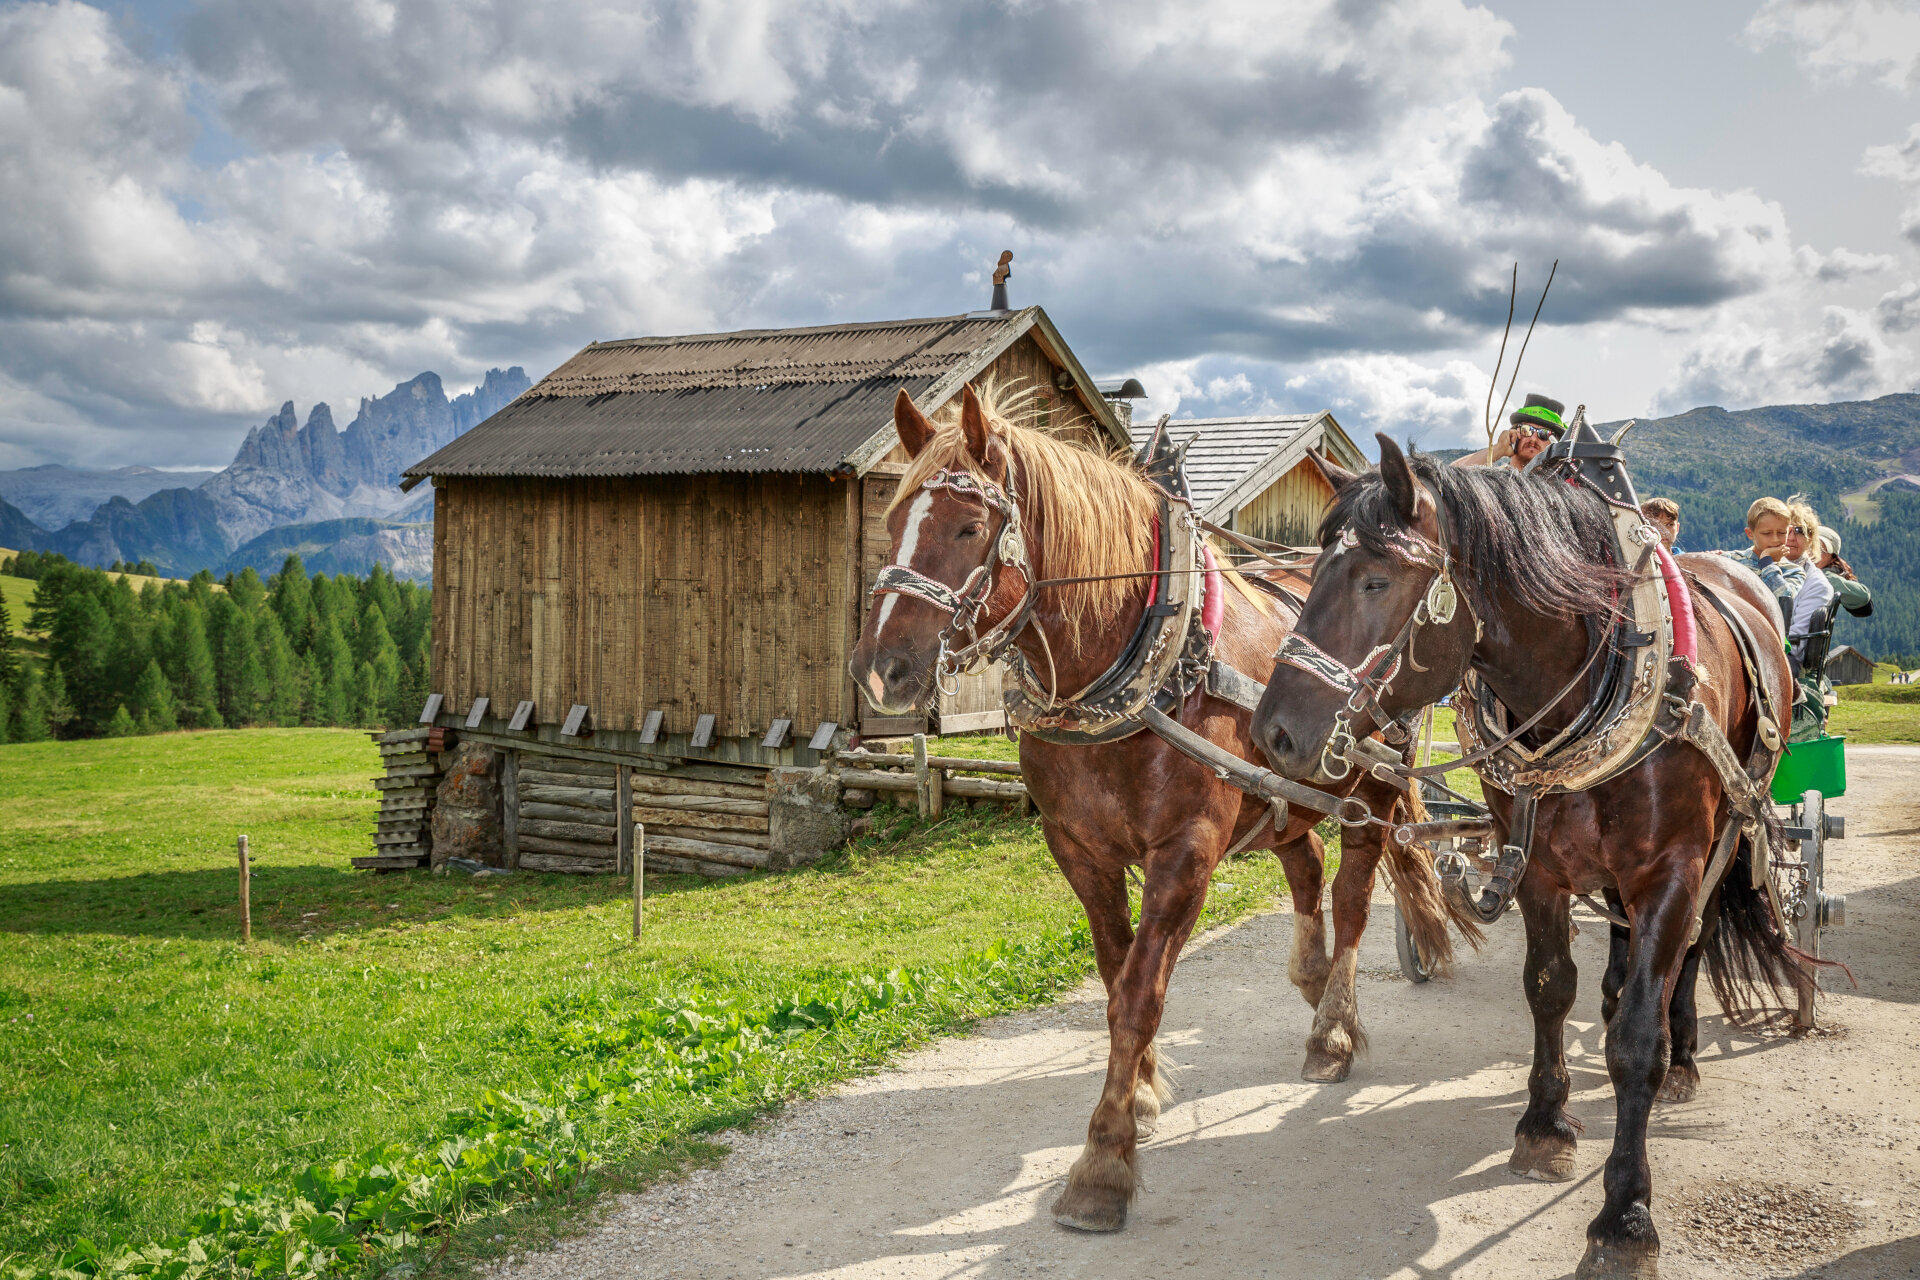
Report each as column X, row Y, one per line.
column 931, row 779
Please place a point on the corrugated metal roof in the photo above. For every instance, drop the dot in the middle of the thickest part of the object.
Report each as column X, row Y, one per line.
column 1228, row 448
column 758, row 400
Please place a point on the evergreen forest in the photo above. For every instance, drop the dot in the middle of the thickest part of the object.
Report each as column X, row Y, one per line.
column 104, row 659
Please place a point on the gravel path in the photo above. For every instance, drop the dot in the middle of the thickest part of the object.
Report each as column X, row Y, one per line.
column 1798, row 1158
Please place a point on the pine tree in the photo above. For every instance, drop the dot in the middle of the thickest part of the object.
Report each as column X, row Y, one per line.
column 153, row 701
column 121, row 724
column 334, row 700
column 30, row 710
column 367, row 696
column 292, row 601
column 247, row 591
column 241, row 681
column 195, row 682
column 313, row 689
column 9, row 657
column 284, row 673
column 82, row 643
column 6, row 712
column 57, row 710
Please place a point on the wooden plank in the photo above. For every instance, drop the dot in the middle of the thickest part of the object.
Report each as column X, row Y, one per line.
column 986, row 788
column 692, row 866
column 694, row 818
column 569, row 848
column 706, row 851
column 576, row 722
column 396, row 837
column 531, row 776
column 702, row 731
column 879, row 780
column 422, row 770
column 623, row 843
column 745, row 839
column 583, row 798
column 395, row 862
column 562, row 764
column 432, row 708
column 584, row 832
column 522, row 716
column 401, row 735
column 510, row 806
column 565, row 865
column 404, row 786
column 704, row 804
column 477, row 712
column 975, row 721
column 678, row 784
column 884, row 758
column 650, row 727
column 533, row 811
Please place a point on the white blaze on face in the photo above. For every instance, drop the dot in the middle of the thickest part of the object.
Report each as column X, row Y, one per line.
column 917, row 514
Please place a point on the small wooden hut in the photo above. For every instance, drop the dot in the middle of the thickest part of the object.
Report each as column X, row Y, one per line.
column 664, row 547
column 1847, row 665
column 1259, row 476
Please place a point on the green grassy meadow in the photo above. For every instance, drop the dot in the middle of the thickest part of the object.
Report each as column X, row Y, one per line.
column 149, row 1059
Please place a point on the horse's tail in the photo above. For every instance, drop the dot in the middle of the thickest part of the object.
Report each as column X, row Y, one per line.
column 1417, row 889
column 1750, row 962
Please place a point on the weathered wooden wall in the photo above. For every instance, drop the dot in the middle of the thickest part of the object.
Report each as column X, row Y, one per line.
column 728, row 595
column 1289, row 509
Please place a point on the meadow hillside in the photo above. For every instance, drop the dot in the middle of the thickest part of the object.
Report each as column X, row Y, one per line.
column 383, row 1023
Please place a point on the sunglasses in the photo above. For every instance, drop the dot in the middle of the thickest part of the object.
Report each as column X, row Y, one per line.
column 1538, row 433
column 1803, row 532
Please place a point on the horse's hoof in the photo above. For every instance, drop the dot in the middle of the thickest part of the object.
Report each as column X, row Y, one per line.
column 1625, row 1260
column 1324, row 1067
column 1091, row 1209
column 1680, row 1085
column 1543, row 1159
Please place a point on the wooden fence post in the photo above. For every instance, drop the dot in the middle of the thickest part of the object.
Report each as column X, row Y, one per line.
column 246, row 895
column 639, row 871
column 922, row 793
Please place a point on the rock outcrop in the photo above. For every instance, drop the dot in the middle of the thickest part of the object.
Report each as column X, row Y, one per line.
column 466, row 808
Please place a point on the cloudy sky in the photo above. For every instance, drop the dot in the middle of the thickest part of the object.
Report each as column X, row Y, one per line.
column 211, row 206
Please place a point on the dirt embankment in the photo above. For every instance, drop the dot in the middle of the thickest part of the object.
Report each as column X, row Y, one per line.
column 1799, row 1157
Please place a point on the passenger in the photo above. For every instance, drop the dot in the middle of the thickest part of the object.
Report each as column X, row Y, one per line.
column 1664, row 515
column 1533, row 426
column 1851, row 593
column 1767, row 521
column 1814, row 594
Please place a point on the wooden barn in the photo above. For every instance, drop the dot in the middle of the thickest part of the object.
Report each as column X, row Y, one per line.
column 1847, row 665
column 1258, row 476
column 654, row 563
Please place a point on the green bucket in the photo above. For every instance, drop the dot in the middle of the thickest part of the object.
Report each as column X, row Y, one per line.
column 1820, row 765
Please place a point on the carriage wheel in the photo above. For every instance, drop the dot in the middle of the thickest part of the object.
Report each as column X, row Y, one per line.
column 1810, row 815
column 1412, row 963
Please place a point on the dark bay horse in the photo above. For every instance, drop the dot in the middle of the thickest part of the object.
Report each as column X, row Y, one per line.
column 1131, row 802
column 1534, row 558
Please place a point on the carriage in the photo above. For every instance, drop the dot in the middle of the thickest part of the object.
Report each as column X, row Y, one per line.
column 1809, row 776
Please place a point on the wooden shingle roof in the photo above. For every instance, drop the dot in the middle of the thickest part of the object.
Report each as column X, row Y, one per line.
column 813, row 400
column 1235, row 459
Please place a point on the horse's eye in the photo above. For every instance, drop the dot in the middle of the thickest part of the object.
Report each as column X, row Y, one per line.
column 1372, row 585
column 973, row 530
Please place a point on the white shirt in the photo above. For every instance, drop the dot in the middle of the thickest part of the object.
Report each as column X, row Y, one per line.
column 1810, row 603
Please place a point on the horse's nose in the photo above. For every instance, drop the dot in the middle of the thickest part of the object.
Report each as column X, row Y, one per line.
column 894, row 670
column 1275, row 742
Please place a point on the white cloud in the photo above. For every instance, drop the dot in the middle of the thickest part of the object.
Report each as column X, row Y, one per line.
column 1738, row 365
column 1846, row 39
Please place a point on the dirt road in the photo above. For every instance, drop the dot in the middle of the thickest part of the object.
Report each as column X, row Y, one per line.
column 1800, row 1157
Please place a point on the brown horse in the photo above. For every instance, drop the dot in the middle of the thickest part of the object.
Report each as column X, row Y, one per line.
column 1131, row 802
column 1535, row 559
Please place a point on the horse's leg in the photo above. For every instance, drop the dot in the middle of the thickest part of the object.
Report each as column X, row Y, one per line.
column 1546, row 1137
column 1683, row 1017
column 1101, row 887
column 1304, row 861
column 1101, row 1183
column 1621, row 1242
column 1336, row 1034
column 1616, row 974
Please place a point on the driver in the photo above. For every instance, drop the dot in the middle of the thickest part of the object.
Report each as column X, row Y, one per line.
column 1532, row 427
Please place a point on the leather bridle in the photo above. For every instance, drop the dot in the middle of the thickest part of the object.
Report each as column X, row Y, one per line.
column 965, row 603
column 1370, row 682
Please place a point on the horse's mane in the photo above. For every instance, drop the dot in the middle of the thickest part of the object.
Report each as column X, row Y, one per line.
column 1548, row 543
column 1095, row 514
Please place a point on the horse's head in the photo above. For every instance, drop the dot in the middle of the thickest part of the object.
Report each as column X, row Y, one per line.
column 945, row 562
column 1385, row 629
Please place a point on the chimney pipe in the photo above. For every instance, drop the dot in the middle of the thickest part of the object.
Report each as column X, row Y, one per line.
column 1000, row 274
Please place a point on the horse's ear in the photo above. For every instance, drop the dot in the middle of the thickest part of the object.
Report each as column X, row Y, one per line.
column 1408, row 495
column 912, row 424
column 1337, row 476
column 973, row 424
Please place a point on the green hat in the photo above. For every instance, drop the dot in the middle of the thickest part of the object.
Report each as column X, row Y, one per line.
column 1540, row 411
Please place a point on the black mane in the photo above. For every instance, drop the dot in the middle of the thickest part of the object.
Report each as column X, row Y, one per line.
column 1548, row 543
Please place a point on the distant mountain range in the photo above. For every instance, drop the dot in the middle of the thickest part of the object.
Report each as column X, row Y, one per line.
column 333, row 495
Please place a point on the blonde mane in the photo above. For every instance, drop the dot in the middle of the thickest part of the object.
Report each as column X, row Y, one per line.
column 1095, row 514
